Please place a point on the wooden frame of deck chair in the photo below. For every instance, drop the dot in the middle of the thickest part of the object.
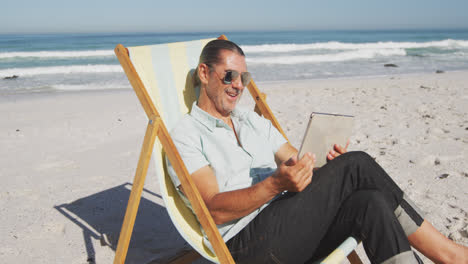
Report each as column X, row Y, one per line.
column 160, row 72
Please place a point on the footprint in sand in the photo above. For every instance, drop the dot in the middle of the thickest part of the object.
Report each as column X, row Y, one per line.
column 458, row 226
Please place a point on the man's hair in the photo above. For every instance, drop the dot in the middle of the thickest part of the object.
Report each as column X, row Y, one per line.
column 210, row 54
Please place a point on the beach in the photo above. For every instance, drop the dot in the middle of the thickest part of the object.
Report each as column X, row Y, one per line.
column 67, row 160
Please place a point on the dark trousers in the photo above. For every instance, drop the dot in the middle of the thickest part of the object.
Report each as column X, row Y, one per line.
column 350, row 196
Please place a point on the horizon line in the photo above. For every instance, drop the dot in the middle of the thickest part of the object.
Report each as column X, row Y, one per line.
column 231, row 31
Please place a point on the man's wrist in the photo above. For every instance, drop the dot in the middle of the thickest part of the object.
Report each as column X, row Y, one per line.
column 274, row 184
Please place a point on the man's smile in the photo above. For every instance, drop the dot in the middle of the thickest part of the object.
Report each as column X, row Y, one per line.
column 232, row 92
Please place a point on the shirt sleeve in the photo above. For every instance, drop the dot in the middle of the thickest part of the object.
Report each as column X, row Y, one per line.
column 190, row 150
column 275, row 138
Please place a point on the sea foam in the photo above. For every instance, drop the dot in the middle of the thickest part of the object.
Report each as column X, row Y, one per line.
column 335, row 57
column 57, row 54
column 334, row 45
column 60, row 70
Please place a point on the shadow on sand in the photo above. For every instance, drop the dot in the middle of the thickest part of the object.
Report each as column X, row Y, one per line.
column 100, row 216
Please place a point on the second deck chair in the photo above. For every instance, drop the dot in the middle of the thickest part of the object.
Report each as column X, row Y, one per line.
column 161, row 77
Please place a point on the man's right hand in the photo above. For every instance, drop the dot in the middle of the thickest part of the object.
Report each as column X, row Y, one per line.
column 294, row 175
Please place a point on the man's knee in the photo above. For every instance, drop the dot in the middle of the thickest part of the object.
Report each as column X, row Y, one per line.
column 356, row 157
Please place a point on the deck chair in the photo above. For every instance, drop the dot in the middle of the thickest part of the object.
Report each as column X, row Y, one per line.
column 161, row 77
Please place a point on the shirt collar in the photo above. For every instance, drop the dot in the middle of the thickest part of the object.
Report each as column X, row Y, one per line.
column 208, row 120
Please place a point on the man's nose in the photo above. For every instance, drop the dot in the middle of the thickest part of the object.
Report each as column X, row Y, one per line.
column 237, row 83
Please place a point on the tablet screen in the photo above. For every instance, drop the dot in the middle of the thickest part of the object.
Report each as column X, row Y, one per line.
column 323, row 131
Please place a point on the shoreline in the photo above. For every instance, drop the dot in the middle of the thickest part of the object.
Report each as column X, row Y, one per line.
column 59, row 93
column 4, row 93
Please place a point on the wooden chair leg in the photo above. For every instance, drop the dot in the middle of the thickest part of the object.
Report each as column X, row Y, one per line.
column 135, row 194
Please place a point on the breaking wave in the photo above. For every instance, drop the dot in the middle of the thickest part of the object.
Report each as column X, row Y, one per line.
column 60, row 70
column 57, row 54
column 365, row 54
column 334, row 45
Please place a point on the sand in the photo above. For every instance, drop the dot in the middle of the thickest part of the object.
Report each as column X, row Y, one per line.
column 67, row 160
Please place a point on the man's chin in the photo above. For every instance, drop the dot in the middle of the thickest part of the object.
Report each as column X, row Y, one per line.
column 227, row 110
column 230, row 104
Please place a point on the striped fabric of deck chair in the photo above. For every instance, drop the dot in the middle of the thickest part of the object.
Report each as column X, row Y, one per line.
column 161, row 77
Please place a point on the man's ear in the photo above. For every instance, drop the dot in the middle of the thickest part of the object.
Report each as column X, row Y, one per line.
column 203, row 73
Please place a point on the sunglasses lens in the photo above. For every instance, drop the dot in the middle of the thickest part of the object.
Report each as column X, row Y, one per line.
column 228, row 77
column 231, row 76
column 246, row 77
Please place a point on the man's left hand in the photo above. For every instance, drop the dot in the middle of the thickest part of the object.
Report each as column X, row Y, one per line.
column 337, row 151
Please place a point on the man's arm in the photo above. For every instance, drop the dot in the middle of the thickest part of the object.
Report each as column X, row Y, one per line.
column 292, row 175
column 227, row 206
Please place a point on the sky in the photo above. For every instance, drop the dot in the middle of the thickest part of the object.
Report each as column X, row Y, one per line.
column 89, row 16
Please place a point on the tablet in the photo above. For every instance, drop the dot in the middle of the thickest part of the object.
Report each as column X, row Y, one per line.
column 323, row 131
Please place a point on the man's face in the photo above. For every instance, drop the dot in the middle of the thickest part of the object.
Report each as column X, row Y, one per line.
column 224, row 97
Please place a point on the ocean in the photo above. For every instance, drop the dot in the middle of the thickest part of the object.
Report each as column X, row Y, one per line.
column 73, row 62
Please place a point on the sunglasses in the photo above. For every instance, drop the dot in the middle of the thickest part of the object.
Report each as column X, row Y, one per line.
column 231, row 76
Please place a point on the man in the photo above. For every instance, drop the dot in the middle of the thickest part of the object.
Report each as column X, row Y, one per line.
column 263, row 199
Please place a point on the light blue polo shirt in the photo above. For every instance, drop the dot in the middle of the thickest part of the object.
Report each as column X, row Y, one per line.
column 202, row 140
